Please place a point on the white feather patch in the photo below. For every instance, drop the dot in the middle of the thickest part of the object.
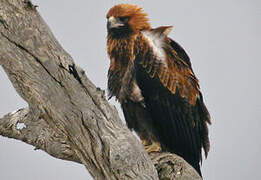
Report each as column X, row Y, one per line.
column 156, row 41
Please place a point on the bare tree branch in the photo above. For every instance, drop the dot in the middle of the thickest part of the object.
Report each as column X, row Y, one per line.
column 22, row 125
column 68, row 117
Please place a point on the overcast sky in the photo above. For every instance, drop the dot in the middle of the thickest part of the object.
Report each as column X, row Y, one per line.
column 222, row 39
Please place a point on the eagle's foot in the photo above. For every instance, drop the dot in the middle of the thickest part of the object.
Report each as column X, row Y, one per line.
column 153, row 147
column 145, row 142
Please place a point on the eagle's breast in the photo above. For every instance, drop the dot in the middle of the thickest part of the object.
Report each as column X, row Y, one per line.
column 121, row 76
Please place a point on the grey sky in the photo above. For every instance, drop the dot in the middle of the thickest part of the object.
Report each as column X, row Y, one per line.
column 222, row 39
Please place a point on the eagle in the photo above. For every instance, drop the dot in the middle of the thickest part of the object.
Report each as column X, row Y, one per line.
column 151, row 76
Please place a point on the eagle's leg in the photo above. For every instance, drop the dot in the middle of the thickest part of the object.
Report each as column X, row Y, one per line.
column 149, row 142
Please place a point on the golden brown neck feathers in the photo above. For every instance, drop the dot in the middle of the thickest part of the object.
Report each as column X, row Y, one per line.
column 137, row 17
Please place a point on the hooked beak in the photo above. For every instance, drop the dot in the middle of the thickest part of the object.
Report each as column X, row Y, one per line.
column 114, row 23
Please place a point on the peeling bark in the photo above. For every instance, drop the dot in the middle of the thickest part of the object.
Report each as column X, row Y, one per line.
column 68, row 117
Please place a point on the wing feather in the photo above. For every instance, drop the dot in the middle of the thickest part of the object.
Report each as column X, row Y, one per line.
column 172, row 96
column 175, row 71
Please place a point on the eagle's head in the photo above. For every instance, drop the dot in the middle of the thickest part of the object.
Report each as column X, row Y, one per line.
column 126, row 19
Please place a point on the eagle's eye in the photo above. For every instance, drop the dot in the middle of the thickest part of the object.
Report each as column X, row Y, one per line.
column 124, row 19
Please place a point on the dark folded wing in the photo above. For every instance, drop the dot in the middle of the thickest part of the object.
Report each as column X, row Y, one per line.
column 171, row 94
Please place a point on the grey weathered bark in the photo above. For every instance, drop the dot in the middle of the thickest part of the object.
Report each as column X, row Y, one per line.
column 68, row 117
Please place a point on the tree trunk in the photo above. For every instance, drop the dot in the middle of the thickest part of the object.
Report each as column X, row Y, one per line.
column 68, row 117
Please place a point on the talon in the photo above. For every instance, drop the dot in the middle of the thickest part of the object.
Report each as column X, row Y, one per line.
column 145, row 142
column 154, row 147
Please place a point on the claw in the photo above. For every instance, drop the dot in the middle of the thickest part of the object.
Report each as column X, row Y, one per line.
column 154, row 147
column 145, row 142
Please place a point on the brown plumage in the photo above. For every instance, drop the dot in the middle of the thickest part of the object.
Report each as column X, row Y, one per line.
column 151, row 76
